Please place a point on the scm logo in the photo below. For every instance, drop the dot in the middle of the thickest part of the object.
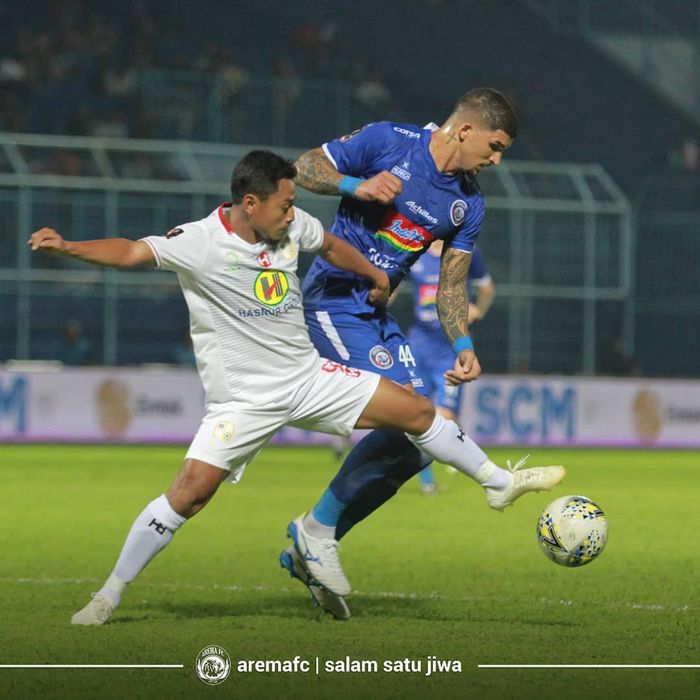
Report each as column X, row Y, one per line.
column 271, row 287
column 13, row 404
column 526, row 411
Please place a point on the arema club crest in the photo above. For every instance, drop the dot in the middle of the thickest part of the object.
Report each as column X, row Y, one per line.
column 213, row 664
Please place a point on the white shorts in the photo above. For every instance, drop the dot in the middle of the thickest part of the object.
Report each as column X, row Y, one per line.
column 329, row 400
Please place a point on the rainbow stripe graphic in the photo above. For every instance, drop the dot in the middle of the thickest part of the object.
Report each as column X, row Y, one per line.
column 402, row 234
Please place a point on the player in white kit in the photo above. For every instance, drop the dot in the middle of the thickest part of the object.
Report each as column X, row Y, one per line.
column 237, row 269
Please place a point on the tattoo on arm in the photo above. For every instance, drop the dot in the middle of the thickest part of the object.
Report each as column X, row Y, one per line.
column 452, row 295
column 316, row 173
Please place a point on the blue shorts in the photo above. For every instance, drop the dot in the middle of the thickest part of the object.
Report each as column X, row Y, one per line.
column 374, row 343
column 434, row 357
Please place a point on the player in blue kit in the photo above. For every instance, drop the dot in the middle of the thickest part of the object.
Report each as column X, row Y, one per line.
column 403, row 187
column 431, row 349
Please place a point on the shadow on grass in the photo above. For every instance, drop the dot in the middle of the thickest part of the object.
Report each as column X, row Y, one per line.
column 362, row 607
column 263, row 603
column 437, row 610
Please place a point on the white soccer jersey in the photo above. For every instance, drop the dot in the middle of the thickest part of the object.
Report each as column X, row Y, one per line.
column 246, row 318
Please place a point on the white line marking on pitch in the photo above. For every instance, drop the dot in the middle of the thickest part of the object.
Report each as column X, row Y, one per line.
column 434, row 595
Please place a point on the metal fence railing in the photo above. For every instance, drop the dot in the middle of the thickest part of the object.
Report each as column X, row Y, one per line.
column 276, row 111
column 557, row 237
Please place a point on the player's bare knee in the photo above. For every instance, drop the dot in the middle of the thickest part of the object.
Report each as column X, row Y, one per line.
column 192, row 489
column 423, row 415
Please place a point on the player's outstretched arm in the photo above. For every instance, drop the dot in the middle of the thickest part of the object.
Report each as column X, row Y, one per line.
column 344, row 256
column 317, row 174
column 110, row 252
column 453, row 311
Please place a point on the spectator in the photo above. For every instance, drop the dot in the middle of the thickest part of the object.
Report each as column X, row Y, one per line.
column 617, row 363
column 76, row 348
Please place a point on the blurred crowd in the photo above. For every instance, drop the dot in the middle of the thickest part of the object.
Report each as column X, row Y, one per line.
column 78, row 68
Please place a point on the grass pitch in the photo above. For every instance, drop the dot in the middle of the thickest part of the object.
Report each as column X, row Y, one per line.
column 441, row 576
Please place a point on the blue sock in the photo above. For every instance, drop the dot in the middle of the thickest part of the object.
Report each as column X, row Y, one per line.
column 392, row 460
column 364, row 464
column 328, row 509
column 426, row 477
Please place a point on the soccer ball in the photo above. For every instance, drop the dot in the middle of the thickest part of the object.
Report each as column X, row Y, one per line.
column 572, row 531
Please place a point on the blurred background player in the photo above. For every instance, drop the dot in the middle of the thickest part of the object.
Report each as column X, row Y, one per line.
column 430, row 347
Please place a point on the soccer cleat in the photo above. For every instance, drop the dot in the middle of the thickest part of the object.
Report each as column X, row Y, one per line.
column 523, row 481
column 320, row 556
column 325, row 599
column 96, row 612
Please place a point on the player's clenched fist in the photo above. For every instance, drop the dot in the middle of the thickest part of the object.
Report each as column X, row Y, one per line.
column 379, row 292
column 466, row 369
column 47, row 239
column 382, row 187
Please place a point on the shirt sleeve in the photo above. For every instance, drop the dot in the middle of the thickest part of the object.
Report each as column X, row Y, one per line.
column 478, row 271
column 468, row 232
column 182, row 249
column 307, row 230
column 357, row 153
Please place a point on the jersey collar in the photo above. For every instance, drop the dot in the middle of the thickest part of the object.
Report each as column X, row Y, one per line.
column 224, row 219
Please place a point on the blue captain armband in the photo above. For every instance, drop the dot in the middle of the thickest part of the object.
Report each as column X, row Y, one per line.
column 464, row 342
column 348, row 185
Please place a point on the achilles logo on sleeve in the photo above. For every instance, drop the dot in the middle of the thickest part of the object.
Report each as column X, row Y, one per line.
column 174, row 232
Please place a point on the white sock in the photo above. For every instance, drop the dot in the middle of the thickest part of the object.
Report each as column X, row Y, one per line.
column 150, row 533
column 446, row 442
column 316, row 529
column 112, row 589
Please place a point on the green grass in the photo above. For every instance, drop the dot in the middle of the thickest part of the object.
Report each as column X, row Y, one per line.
column 442, row 576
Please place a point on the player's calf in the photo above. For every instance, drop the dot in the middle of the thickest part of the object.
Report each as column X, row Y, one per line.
column 194, row 486
column 151, row 532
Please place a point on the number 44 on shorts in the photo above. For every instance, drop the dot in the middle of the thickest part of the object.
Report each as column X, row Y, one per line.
column 406, row 356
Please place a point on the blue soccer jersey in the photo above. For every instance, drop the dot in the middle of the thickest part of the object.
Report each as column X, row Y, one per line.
column 425, row 276
column 431, row 348
column 432, row 205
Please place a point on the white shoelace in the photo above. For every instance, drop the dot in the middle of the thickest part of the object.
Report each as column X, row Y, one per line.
column 332, row 547
column 520, row 463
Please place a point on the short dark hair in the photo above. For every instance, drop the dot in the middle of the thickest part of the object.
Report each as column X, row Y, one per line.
column 259, row 173
column 492, row 107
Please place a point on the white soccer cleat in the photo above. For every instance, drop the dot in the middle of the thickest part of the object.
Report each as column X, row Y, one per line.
column 524, row 481
column 96, row 612
column 320, row 556
column 325, row 599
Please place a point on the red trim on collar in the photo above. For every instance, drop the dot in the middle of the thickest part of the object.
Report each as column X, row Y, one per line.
column 223, row 219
